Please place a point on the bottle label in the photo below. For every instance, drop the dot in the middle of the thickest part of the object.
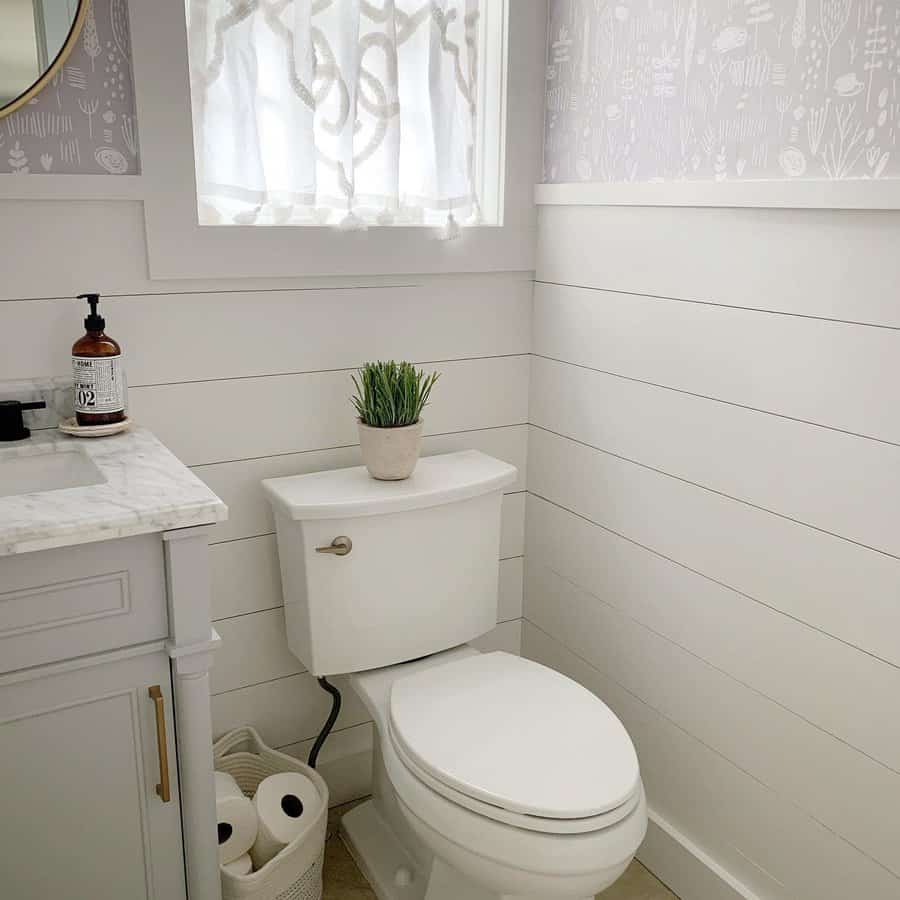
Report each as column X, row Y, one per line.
column 99, row 384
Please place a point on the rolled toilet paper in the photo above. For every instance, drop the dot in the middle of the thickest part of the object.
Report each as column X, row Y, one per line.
column 235, row 819
column 243, row 865
column 285, row 804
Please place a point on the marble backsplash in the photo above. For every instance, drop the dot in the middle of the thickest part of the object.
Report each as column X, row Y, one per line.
column 56, row 392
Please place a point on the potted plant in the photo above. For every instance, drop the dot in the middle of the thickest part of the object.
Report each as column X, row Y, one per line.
column 389, row 400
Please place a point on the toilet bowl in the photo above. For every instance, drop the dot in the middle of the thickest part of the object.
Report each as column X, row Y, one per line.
column 510, row 780
column 493, row 776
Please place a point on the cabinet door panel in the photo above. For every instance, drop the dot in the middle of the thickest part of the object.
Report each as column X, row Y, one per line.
column 78, row 771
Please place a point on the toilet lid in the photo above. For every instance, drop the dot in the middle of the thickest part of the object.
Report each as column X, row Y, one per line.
column 515, row 734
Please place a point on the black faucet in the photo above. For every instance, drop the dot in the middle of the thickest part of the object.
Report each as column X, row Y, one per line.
column 12, row 428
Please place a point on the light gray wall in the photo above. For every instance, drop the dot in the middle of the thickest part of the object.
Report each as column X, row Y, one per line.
column 722, row 89
column 84, row 121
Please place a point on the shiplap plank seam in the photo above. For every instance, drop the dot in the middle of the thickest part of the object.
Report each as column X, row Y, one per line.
column 710, row 490
column 712, row 749
column 532, row 630
column 304, row 671
column 248, row 537
column 724, row 672
column 339, row 370
column 253, row 612
column 710, row 578
column 249, row 290
column 733, row 403
column 757, row 309
column 251, row 684
column 195, row 420
column 351, row 284
column 258, row 683
column 333, row 733
column 300, row 330
column 817, row 263
column 829, row 480
column 225, row 462
column 818, row 372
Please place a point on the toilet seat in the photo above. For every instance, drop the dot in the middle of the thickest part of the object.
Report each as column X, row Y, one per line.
column 540, row 824
column 516, row 742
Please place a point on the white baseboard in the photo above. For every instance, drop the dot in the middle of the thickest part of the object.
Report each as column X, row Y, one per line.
column 686, row 869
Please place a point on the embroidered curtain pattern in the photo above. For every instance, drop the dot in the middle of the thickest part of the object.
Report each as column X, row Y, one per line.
column 349, row 112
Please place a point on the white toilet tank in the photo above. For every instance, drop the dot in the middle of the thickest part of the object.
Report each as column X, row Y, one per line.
column 420, row 575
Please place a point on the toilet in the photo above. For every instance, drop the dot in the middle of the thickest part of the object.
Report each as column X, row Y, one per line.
column 493, row 776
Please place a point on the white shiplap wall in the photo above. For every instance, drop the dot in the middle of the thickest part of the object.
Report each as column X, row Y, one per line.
column 249, row 380
column 246, row 378
column 713, row 529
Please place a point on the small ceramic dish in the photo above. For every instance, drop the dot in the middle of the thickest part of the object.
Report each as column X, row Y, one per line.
column 71, row 426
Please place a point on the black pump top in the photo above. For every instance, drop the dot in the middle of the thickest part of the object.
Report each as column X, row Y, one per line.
column 94, row 322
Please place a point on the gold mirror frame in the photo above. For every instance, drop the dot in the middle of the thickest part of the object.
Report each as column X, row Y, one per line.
column 54, row 67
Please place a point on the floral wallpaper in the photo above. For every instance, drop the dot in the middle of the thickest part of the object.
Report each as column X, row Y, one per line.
column 645, row 90
column 84, row 121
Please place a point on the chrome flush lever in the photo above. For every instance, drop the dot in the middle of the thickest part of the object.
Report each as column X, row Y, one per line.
column 340, row 546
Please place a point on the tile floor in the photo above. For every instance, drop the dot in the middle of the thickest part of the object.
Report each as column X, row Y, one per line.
column 344, row 881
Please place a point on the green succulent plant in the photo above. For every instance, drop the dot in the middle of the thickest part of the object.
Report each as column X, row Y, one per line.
column 391, row 394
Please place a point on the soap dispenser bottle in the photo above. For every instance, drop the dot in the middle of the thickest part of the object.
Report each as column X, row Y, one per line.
column 97, row 370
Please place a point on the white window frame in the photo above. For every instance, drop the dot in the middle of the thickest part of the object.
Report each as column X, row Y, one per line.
column 178, row 247
column 490, row 122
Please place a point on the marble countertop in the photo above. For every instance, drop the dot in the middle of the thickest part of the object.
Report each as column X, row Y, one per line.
column 145, row 489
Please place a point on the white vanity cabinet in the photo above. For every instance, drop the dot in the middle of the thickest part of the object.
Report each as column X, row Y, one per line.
column 106, row 787
column 81, row 816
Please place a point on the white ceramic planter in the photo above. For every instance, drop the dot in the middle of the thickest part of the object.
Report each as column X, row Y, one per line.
column 390, row 454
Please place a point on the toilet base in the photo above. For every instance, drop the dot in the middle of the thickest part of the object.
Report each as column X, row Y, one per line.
column 392, row 872
column 385, row 863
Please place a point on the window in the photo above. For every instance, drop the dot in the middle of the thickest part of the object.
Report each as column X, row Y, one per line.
column 352, row 113
column 510, row 48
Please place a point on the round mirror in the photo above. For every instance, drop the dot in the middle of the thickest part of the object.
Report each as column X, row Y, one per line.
column 36, row 36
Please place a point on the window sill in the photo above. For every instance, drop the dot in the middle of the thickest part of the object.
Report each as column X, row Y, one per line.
column 278, row 251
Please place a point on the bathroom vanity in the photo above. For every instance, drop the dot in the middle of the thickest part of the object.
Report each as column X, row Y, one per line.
column 105, row 650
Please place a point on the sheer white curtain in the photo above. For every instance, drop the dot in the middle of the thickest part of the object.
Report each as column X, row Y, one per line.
column 346, row 112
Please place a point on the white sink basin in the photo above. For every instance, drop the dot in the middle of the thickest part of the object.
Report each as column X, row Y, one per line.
column 35, row 470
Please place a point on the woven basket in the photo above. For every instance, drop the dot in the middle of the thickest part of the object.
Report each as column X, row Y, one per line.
column 296, row 872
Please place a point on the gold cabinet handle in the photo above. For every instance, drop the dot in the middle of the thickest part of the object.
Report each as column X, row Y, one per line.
column 162, row 744
column 340, row 546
